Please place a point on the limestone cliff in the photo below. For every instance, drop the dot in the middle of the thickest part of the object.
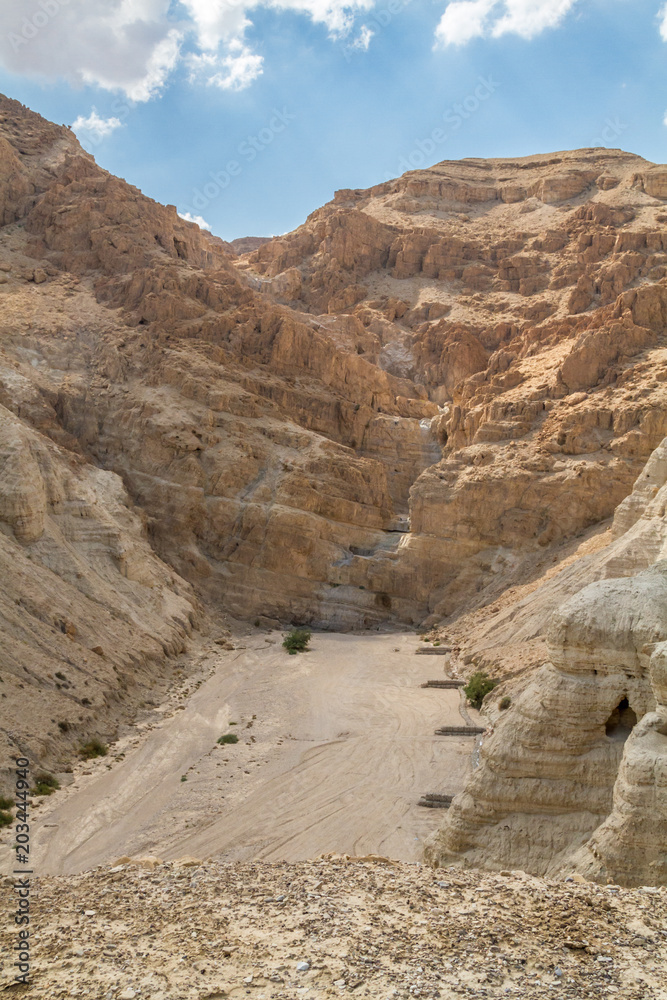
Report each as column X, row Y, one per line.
column 367, row 419
column 573, row 777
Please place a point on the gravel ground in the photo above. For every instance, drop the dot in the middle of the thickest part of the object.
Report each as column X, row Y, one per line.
column 335, row 927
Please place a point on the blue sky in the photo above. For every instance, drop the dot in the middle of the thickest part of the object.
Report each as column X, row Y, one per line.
column 251, row 113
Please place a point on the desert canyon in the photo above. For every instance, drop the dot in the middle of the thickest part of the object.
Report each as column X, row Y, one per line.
column 435, row 411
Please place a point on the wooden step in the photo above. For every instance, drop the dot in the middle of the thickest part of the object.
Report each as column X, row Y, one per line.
column 460, row 731
column 433, row 650
column 433, row 803
column 447, row 683
column 437, row 797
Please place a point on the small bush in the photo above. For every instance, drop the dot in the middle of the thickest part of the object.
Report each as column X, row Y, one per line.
column 504, row 703
column 63, row 726
column 93, row 748
column 6, row 803
column 6, row 819
column 297, row 640
column 184, row 777
column 478, row 687
column 45, row 784
column 229, row 738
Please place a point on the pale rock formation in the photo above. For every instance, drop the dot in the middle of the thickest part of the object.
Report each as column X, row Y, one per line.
column 379, row 418
column 88, row 613
column 573, row 777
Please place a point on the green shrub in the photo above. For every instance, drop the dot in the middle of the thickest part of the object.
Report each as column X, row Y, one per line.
column 478, row 687
column 93, row 748
column 45, row 784
column 229, row 738
column 6, row 819
column 6, row 803
column 504, row 703
column 184, row 777
column 297, row 640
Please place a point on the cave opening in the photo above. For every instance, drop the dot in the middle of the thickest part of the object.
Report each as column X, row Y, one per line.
column 621, row 721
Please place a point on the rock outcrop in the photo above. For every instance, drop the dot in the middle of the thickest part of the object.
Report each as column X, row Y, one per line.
column 573, row 778
column 361, row 420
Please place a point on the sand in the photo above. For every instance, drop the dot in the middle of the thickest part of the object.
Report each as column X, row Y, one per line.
column 335, row 748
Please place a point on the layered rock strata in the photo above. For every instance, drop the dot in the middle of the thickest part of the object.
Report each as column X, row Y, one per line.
column 573, row 778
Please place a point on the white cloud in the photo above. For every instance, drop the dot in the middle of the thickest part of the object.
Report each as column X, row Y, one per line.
column 133, row 46
column 530, row 17
column 197, row 219
column 234, row 71
column 663, row 23
column 118, row 45
column 464, row 20
column 94, row 127
column 364, row 39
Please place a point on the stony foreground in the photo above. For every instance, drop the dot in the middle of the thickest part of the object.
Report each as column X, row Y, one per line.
column 364, row 928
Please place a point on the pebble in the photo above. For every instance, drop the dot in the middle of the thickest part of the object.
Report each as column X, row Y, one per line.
column 303, row 966
column 127, row 994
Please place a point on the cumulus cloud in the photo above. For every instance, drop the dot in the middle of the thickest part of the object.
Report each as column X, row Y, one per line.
column 120, row 45
column 464, row 20
column 94, row 127
column 94, row 123
column 197, row 219
column 133, row 46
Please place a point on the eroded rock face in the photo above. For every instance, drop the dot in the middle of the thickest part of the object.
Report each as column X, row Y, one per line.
column 354, row 422
column 88, row 613
column 629, row 847
column 573, row 777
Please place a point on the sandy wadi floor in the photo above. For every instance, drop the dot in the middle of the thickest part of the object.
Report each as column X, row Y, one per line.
column 335, row 748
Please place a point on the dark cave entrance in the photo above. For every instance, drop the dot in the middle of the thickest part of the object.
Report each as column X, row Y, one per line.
column 621, row 721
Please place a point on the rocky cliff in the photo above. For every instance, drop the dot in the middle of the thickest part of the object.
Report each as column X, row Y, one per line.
column 573, row 776
column 428, row 398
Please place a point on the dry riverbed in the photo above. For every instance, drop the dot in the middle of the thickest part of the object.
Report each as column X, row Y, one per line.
column 335, row 748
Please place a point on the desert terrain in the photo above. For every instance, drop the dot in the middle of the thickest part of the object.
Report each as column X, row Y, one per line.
column 433, row 413
column 335, row 748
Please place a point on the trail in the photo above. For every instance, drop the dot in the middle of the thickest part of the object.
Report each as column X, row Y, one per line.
column 335, row 748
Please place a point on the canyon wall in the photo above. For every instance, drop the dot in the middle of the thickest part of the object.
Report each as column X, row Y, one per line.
column 372, row 417
column 573, row 776
column 431, row 395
